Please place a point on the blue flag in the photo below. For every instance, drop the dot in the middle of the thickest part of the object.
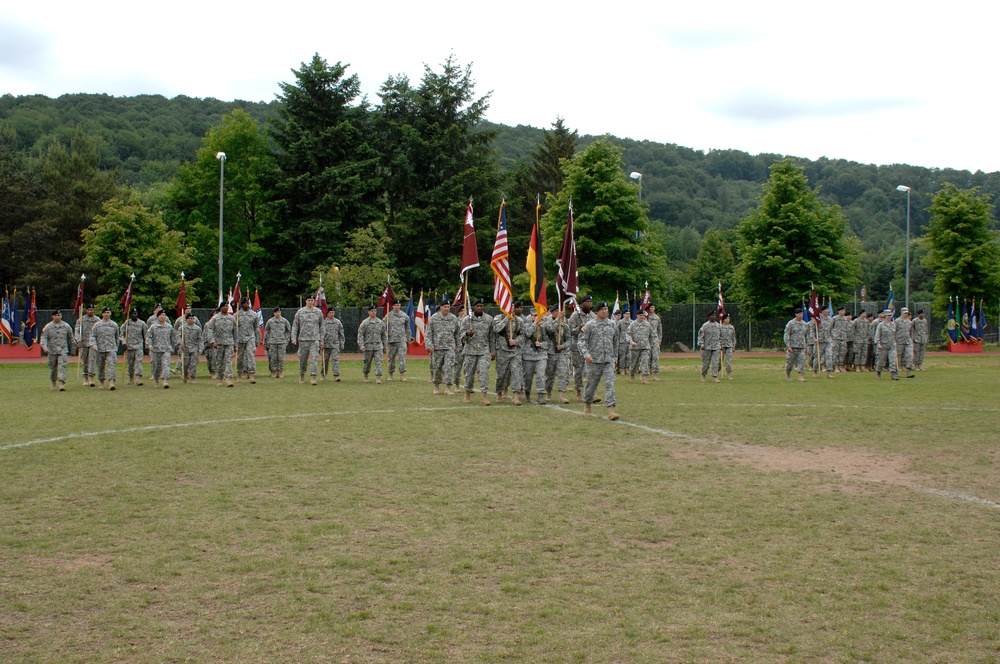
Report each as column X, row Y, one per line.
column 890, row 304
column 30, row 323
column 952, row 325
column 15, row 318
column 411, row 314
column 806, row 316
column 5, row 326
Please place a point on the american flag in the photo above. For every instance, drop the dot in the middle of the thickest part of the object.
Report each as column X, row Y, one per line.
column 500, row 262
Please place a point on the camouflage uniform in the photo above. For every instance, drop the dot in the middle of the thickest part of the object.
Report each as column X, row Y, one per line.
column 190, row 341
column 87, row 359
column 223, row 336
column 277, row 332
column 558, row 365
column 624, row 349
column 510, row 371
column 104, row 344
column 727, row 342
column 307, row 332
column 57, row 340
column 708, row 340
column 576, row 321
column 640, row 340
column 812, row 353
column 211, row 354
column 825, row 335
column 796, row 339
column 334, row 339
column 840, row 328
column 885, row 342
column 921, row 335
column 179, row 322
column 599, row 341
column 247, row 340
column 535, row 354
column 399, row 339
column 443, row 337
column 654, row 349
column 371, row 339
column 133, row 335
column 476, row 351
column 904, row 342
column 860, row 338
column 160, row 339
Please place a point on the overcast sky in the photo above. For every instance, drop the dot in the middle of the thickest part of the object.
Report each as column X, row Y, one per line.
column 876, row 82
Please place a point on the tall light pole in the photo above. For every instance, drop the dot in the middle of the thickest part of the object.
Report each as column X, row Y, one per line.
column 221, row 156
column 903, row 187
column 636, row 175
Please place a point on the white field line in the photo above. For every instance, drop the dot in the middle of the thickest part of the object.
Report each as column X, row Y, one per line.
column 673, row 434
column 179, row 425
column 963, row 409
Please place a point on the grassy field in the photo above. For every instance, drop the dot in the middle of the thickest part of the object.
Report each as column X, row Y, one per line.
column 838, row 520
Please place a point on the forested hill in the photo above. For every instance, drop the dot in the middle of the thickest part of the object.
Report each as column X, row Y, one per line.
column 144, row 140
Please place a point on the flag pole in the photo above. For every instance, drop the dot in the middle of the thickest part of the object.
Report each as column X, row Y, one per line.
column 79, row 331
column 182, row 349
column 236, row 355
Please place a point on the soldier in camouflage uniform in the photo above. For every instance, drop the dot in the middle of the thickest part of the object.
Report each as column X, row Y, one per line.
column 535, row 354
column 153, row 317
column 133, row 337
column 247, row 340
column 654, row 350
column 104, row 347
column 859, row 338
column 885, row 343
column 640, row 341
column 825, row 334
column 709, row 342
column 904, row 341
column 921, row 335
column 796, row 341
column 277, row 332
column 307, row 334
column 840, row 327
column 443, row 342
column 577, row 320
column 57, row 340
column 178, row 323
column 399, row 339
column 333, row 344
column 727, row 343
column 509, row 334
column 558, row 366
column 160, row 339
column 189, row 340
column 598, row 344
column 371, row 341
column 87, row 361
column 223, row 340
column 208, row 333
column 624, row 349
column 477, row 332
column 812, row 350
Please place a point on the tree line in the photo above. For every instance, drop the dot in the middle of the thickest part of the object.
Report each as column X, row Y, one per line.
column 324, row 182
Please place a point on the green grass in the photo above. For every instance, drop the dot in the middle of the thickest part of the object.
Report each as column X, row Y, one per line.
column 366, row 523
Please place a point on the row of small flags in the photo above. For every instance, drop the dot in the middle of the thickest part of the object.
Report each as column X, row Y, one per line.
column 14, row 327
column 971, row 326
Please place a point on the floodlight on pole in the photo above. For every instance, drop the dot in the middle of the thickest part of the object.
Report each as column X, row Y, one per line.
column 221, row 156
column 903, row 187
column 636, row 175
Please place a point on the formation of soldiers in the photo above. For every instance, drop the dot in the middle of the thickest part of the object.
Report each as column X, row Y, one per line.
column 842, row 343
column 530, row 354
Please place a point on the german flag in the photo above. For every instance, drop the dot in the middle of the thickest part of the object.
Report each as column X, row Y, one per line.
column 536, row 268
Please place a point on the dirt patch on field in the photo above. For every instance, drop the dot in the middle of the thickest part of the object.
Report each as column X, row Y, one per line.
column 848, row 464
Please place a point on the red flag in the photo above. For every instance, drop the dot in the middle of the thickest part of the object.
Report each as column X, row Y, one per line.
column 126, row 300
column 78, row 304
column 500, row 262
column 256, row 308
column 569, row 280
column 721, row 310
column 470, row 254
column 234, row 300
column 387, row 299
column 419, row 321
column 459, row 298
column 814, row 306
column 321, row 300
column 644, row 306
column 864, row 294
column 30, row 323
column 181, row 298
column 536, row 268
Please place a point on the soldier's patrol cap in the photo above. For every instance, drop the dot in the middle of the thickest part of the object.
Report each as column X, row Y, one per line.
column 798, row 310
column 904, row 310
column 586, row 298
column 553, row 307
column 107, row 309
column 602, row 305
column 887, row 311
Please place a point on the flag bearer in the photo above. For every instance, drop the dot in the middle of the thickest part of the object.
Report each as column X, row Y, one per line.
column 276, row 334
column 598, row 344
column 57, row 340
column 104, row 347
column 133, row 335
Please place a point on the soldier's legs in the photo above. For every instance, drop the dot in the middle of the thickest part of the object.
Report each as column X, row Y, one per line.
column 448, row 366
column 366, row 361
column 727, row 356
column 251, row 365
column 86, row 363
column 918, row 353
column 108, row 365
column 224, row 362
column 393, row 350
column 562, row 371
column 378, row 362
column 437, row 366
column 304, row 350
column 906, row 356
column 706, row 362
column 335, row 363
column 654, row 357
column 54, row 367
column 608, row 375
column 516, row 373
column 191, row 363
column 550, row 371
column 715, row 363
column 402, row 358
column 503, row 371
